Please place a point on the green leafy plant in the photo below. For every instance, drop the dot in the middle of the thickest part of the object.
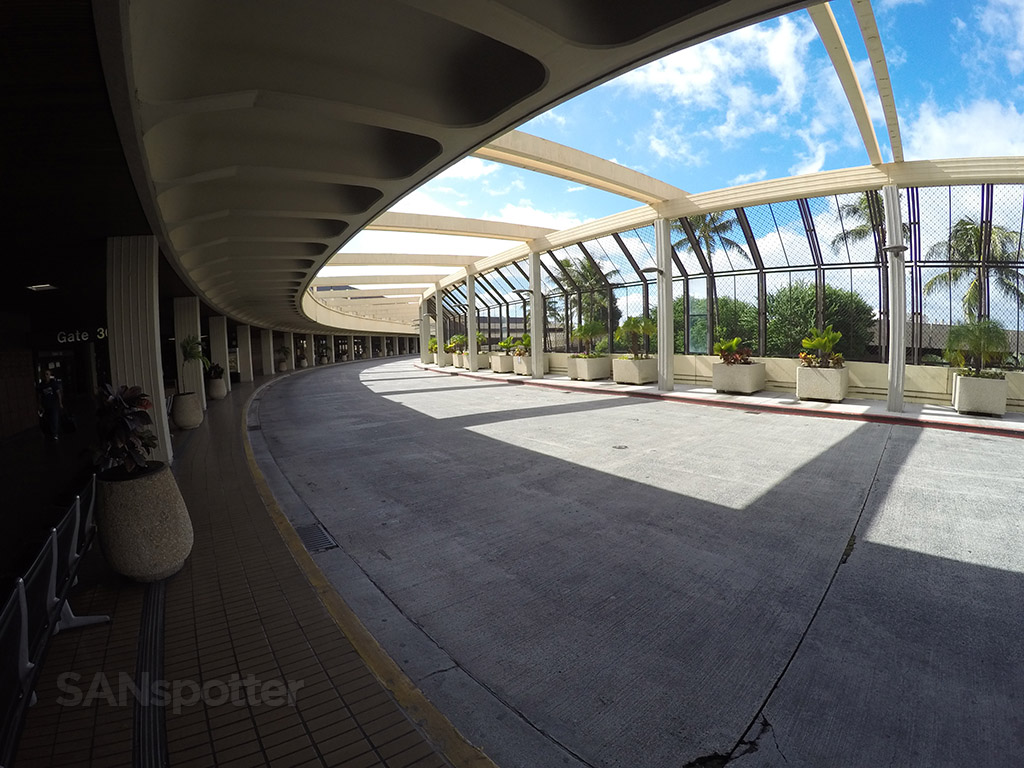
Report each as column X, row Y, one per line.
column 283, row 352
column 432, row 344
column 523, row 346
column 822, row 342
column 973, row 346
column 508, row 344
column 587, row 334
column 191, row 351
column 632, row 332
column 216, row 371
column 732, row 352
column 122, row 421
column 458, row 343
column 481, row 339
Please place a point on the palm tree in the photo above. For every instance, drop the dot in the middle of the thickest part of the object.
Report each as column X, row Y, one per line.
column 711, row 230
column 963, row 249
column 860, row 213
column 592, row 300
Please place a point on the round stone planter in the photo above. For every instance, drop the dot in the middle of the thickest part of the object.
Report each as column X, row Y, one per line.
column 303, row 363
column 323, row 360
column 187, row 411
column 217, row 389
column 282, row 367
column 142, row 523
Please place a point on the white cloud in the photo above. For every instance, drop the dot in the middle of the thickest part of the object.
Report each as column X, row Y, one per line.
column 811, row 161
column 552, row 117
column 515, row 184
column 423, row 201
column 575, row 189
column 526, row 213
column 981, row 128
column 747, row 178
column 471, row 169
column 1003, row 22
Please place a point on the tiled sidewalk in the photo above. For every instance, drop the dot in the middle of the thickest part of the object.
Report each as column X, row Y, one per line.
column 242, row 623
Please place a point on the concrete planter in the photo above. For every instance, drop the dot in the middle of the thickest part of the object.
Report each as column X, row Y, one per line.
column 323, row 360
column 216, row 389
column 282, row 367
column 626, row 370
column 743, row 379
column 482, row 361
column 187, row 411
column 589, row 368
column 303, row 363
column 143, row 525
column 522, row 365
column 502, row 363
column 442, row 358
column 829, row 384
column 974, row 395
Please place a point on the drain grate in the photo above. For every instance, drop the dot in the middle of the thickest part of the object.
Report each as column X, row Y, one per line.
column 315, row 538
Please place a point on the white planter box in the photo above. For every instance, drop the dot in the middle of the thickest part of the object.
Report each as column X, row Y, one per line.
column 482, row 361
column 744, row 379
column 974, row 395
column 502, row 363
column 522, row 365
column 630, row 371
column 590, row 368
column 459, row 360
column 822, row 383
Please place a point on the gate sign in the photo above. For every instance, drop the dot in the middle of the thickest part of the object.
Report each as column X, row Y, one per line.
column 70, row 337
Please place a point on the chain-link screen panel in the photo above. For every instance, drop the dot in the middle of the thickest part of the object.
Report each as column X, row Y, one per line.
column 846, row 233
column 721, row 240
column 766, row 235
column 853, row 306
column 612, row 261
column 1007, row 306
column 791, row 306
column 681, row 244
column 641, row 245
column 555, row 330
column 680, row 314
column 736, row 309
column 697, row 317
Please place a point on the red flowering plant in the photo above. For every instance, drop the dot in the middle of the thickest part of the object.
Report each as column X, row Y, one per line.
column 121, row 426
column 732, row 353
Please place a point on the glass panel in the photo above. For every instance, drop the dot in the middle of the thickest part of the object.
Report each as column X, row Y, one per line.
column 766, row 235
column 736, row 309
column 792, row 234
column 679, row 318
column 681, row 243
column 698, row 315
column 852, row 308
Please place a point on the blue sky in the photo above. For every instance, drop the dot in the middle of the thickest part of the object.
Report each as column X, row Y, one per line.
column 760, row 103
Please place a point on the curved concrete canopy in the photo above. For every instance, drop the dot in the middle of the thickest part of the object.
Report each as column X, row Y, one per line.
column 259, row 131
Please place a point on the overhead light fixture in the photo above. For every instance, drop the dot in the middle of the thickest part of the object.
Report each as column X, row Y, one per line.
column 654, row 270
column 524, row 293
column 42, row 287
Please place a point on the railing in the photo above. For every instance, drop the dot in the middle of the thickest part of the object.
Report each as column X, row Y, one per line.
column 37, row 609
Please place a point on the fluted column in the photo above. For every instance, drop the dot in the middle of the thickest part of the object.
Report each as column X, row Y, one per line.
column 219, row 346
column 133, row 327
column 243, row 337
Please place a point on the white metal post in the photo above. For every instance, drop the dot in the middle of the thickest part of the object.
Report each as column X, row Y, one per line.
column 895, row 249
column 666, row 331
column 471, row 320
column 537, row 311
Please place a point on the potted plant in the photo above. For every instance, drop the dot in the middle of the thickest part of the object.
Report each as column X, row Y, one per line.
column 821, row 375
column 637, row 367
column 972, row 347
column 321, row 353
column 218, row 388
column 503, row 361
column 283, row 353
column 141, row 519
column 481, row 356
column 457, row 346
column 737, row 372
column 522, row 362
column 589, row 365
column 187, row 408
column 300, row 357
column 432, row 347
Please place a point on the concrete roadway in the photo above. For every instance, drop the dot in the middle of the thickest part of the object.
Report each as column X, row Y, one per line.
column 589, row 580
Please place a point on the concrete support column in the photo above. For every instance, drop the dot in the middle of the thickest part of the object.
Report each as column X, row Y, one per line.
column 289, row 359
column 895, row 249
column 219, row 346
column 244, row 341
column 471, row 321
column 351, row 348
column 133, row 327
column 439, row 318
column 537, row 311
column 307, row 338
column 369, row 346
column 186, row 323
column 267, row 351
column 395, row 347
column 332, row 348
column 666, row 331
column 424, row 333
